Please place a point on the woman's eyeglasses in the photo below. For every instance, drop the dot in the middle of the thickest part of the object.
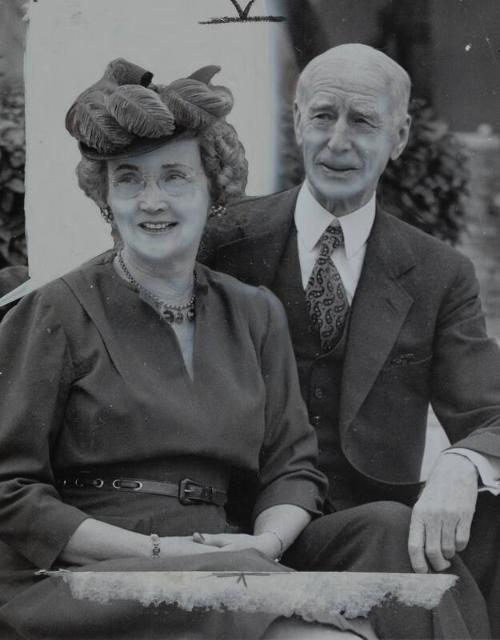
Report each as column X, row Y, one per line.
column 132, row 183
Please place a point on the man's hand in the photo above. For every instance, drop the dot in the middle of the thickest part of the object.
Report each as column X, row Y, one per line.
column 442, row 517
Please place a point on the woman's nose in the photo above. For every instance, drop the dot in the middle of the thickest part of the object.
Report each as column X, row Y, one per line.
column 152, row 197
column 339, row 139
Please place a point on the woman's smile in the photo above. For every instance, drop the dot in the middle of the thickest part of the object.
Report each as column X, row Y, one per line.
column 157, row 227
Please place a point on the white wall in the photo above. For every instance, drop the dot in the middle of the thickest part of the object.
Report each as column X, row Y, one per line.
column 69, row 45
column 12, row 33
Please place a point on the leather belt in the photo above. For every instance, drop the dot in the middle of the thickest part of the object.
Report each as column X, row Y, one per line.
column 187, row 491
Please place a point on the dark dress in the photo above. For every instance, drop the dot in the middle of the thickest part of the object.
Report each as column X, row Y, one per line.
column 92, row 378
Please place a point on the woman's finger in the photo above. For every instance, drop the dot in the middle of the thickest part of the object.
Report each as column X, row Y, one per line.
column 230, row 547
column 180, row 546
column 197, row 548
column 212, row 539
column 198, row 537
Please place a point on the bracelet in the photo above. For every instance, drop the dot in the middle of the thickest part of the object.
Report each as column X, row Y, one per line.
column 155, row 541
column 280, row 540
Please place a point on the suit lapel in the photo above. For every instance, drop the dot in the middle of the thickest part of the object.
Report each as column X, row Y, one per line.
column 380, row 305
column 379, row 309
column 254, row 258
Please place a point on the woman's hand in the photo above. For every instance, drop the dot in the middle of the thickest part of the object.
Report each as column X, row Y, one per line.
column 94, row 540
column 183, row 546
column 275, row 529
column 266, row 542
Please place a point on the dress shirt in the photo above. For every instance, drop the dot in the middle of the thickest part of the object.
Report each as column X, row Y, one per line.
column 488, row 468
column 311, row 220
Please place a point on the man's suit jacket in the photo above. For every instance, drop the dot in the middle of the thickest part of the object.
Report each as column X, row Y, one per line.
column 416, row 335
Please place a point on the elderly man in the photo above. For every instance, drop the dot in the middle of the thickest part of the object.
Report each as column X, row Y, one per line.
column 384, row 320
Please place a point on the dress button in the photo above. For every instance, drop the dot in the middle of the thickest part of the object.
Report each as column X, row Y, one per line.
column 319, row 393
column 315, row 420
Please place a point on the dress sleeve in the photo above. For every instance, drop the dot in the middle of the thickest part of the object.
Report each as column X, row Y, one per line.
column 288, row 472
column 35, row 378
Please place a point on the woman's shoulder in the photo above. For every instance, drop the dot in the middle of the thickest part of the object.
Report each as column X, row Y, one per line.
column 92, row 269
column 60, row 293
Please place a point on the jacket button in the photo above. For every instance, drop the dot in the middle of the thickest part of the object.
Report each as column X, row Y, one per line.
column 319, row 393
column 315, row 420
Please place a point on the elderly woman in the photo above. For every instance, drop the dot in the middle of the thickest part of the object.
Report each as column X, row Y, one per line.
column 141, row 391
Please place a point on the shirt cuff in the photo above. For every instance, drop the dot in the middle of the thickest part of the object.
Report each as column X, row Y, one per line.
column 488, row 468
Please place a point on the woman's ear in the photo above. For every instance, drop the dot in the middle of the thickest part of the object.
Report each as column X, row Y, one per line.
column 117, row 239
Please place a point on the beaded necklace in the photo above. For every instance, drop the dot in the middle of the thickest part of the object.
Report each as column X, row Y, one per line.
column 169, row 312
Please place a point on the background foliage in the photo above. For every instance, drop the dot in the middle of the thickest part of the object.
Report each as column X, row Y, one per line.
column 428, row 185
column 12, row 164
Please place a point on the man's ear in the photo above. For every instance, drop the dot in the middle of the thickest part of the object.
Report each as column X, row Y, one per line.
column 402, row 137
column 297, row 123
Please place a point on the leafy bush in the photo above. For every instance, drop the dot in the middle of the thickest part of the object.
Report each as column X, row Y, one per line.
column 12, row 163
column 428, row 185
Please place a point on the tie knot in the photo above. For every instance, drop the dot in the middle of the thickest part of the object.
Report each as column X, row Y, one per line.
column 332, row 238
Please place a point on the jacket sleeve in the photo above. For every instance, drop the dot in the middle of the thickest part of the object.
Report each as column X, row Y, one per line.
column 288, row 472
column 465, row 383
column 35, row 378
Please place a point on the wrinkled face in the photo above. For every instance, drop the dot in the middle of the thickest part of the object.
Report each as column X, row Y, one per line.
column 348, row 127
column 160, row 202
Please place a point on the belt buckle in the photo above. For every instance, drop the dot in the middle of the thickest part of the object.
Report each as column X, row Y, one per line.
column 187, row 486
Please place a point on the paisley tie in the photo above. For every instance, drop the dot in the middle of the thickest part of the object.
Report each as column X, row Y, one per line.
column 326, row 297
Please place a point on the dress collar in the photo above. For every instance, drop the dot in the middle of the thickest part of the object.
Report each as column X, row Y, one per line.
column 201, row 283
column 311, row 220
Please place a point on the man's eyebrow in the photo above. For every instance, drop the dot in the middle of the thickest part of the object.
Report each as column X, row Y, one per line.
column 364, row 106
column 364, row 111
column 322, row 104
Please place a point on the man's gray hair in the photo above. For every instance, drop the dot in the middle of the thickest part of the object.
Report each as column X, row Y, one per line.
column 397, row 80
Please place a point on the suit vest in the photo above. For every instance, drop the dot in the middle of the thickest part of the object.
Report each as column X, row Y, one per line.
column 320, row 382
column 320, row 377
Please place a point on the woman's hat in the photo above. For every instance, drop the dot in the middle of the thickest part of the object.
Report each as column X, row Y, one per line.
column 124, row 114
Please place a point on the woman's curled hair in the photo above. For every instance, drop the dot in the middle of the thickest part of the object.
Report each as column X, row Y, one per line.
column 222, row 155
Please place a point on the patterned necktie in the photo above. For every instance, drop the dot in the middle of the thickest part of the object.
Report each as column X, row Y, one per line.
column 326, row 297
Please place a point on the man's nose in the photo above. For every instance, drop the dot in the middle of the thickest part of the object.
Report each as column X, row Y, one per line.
column 152, row 197
column 339, row 137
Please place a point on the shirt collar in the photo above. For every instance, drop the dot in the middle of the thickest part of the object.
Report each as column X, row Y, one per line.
column 311, row 220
